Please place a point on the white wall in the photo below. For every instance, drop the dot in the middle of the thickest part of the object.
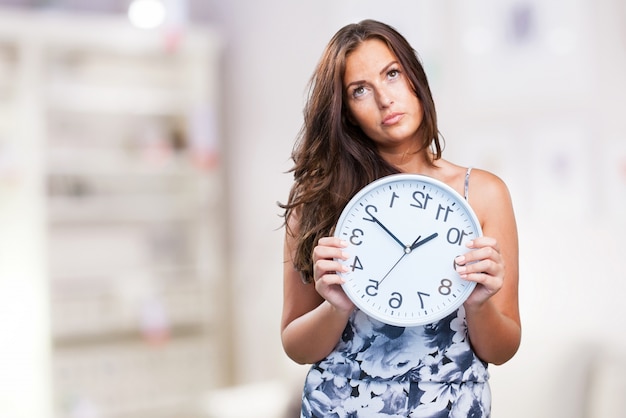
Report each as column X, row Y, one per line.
column 271, row 48
column 543, row 112
column 24, row 357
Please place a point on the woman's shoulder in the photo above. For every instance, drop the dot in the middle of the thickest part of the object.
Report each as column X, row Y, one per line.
column 472, row 179
column 485, row 184
column 479, row 185
column 489, row 196
column 484, row 190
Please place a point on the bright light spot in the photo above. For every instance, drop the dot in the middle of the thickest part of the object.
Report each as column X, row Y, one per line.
column 146, row 14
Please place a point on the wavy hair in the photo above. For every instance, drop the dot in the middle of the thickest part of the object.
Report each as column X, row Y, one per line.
column 333, row 158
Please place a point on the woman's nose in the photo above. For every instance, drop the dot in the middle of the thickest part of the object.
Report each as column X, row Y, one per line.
column 384, row 99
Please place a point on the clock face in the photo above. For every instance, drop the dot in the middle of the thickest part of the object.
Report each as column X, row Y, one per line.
column 404, row 232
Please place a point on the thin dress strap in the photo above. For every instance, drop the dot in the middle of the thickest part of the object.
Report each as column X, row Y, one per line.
column 467, row 176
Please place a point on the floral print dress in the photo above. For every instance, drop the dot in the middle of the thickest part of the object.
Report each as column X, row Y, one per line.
column 381, row 371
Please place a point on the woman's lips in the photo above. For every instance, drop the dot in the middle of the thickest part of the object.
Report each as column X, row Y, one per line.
column 392, row 118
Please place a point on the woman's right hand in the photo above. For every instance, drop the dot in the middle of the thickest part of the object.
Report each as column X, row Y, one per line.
column 325, row 268
column 315, row 314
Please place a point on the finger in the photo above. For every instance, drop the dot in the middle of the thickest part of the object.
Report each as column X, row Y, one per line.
column 328, row 280
column 483, row 253
column 481, row 242
column 491, row 284
column 326, row 267
column 332, row 242
column 484, row 266
column 321, row 252
column 327, row 283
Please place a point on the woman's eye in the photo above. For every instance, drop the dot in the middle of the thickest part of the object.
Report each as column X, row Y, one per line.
column 359, row 91
column 393, row 73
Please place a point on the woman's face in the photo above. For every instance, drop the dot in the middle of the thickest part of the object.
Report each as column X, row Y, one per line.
column 380, row 99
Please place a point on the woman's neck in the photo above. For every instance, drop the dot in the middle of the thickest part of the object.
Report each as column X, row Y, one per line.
column 410, row 161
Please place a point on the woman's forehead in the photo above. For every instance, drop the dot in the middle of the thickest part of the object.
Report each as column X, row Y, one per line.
column 367, row 60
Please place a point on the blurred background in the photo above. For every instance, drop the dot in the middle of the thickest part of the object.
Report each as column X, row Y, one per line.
column 144, row 145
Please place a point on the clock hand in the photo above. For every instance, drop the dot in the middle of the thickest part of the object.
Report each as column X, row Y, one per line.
column 389, row 232
column 392, row 267
column 407, row 250
column 418, row 243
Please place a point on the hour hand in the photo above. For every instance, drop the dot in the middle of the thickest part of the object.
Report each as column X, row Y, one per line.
column 417, row 242
column 389, row 232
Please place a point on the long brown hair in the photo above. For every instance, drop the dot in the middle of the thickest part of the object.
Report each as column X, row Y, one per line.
column 333, row 158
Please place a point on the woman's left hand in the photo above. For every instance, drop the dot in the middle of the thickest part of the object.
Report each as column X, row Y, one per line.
column 484, row 265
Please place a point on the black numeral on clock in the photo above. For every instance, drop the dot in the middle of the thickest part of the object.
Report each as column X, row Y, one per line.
column 446, row 211
column 421, row 200
column 394, row 196
column 421, row 296
column 396, row 300
column 372, row 289
column 446, row 287
column 356, row 264
column 455, row 236
column 356, row 234
column 371, row 208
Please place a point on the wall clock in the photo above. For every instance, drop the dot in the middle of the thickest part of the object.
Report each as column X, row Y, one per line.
column 404, row 232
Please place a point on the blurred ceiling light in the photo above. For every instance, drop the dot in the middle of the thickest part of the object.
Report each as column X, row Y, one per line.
column 146, row 14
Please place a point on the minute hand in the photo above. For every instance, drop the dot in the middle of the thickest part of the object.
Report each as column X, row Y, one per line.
column 424, row 241
column 389, row 232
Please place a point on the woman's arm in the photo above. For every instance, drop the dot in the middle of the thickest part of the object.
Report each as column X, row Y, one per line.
column 492, row 310
column 314, row 315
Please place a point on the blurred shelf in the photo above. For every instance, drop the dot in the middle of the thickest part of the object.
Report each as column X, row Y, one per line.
column 121, row 313
column 72, row 97
column 132, row 206
column 119, row 209
column 135, row 379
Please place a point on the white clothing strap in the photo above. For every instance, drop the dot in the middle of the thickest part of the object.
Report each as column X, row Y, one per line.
column 467, row 176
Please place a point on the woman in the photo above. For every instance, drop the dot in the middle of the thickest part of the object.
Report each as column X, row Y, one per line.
column 370, row 113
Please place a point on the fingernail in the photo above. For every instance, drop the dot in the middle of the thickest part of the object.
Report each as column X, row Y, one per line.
column 470, row 244
column 459, row 260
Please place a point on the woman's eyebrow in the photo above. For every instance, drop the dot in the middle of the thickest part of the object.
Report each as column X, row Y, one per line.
column 383, row 71
column 391, row 64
